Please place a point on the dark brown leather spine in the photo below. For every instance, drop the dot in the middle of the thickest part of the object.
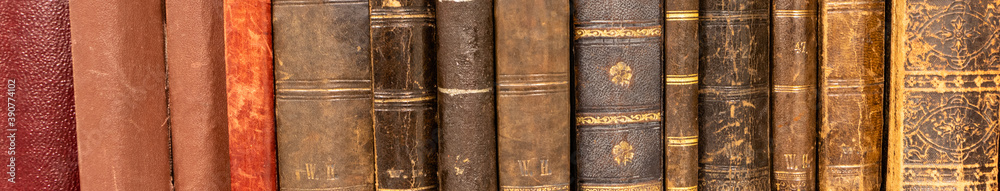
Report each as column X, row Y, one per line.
column 196, row 79
column 793, row 100
column 851, row 82
column 323, row 78
column 119, row 77
column 680, row 90
column 465, row 95
column 735, row 90
column 533, row 99
column 945, row 99
column 402, row 54
column 618, row 102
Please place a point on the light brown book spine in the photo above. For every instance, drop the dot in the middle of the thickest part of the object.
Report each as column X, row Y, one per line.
column 680, row 114
column 793, row 90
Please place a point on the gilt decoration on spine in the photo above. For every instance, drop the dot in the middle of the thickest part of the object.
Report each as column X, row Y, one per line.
column 680, row 112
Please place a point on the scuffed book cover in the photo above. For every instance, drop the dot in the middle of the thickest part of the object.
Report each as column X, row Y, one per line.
column 793, row 100
column 680, row 90
column 945, row 100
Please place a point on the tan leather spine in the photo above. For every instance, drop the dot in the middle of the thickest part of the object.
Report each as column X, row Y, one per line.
column 680, row 90
column 793, row 90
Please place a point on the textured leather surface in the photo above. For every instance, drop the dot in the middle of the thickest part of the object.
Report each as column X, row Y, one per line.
column 36, row 73
column 680, row 45
column 734, row 90
column 618, row 101
column 120, row 80
column 533, row 99
column 250, row 94
column 466, row 96
column 196, row 82
column 402, row 33
column 851, row 77
column 323, row 76
column 943, row 121
column 793, row 100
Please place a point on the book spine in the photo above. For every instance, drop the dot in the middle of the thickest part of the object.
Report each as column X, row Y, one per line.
column 533, row 98
column 196, row 81
column 618, row 86
column 250, row 94
column 38, row 139
column 324, row 97
column 943, row 114
column 119, row 79
column 793, row 125
column 734, row 92
column 402, row 54
column 851, row 82
column 466, row 95
column 680, row 90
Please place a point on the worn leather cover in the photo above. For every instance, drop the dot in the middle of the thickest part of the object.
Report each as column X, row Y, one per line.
column 39, row 150
column 466, row 96
column 618, row 86
column 793, row 100
column 323, row 79
column 735, row 95
column 851, row 82
column 250, row 94
column 402, row 45
column 119, row 77
column 944, row 102
column 533, row 99
column 196, row 82
column 680, row 45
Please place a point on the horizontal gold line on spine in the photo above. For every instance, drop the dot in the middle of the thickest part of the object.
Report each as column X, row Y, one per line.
column 730, row 91
column 855, row 6
column 952, row 73
column 354, row 187
column 685, row 15
column 516, row 78
column 790, row 176
column 531, row 84
column 403, row 16
column 732, row 169
column 952, row 166
column 947, row 90
column 643, row 32
column 794, row 13
column 682, row 141
column 586, row 119
column 404, row 100
column 949, row 185
column 681, row 79
column 408, row 189
column 560, row 187
column 689, row 188
column 655, row 185
column 734, row 15
column 453, row 92
column 793, row 88
column 317, row 2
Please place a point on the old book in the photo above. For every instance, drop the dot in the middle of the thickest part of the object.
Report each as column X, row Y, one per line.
column 533, row 99
column 851, row 81
column 323, row 81
column 196, row 82
column 793, row 100
column 735, row 95
column 119, row 81
column 39, row 150
column 618, row 94
column 466, row 97
column 680, row 90
column 250, row 95
column 402, row 55
column 944, row 95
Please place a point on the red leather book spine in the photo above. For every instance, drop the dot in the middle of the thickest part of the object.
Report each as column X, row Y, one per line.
column 250, row 93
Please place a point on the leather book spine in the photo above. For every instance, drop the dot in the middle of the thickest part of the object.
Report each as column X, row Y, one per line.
column 533, row 98
column 466, row 99
column 38, row 131
column 119, row 76
column 734, row 93
column 618, row 99
column 324, row 95
column 402, row 55
column 945, row 99
column 680, row 90
column 196, row 83
column 793, row 100
column 851, row 80
column 250, row 94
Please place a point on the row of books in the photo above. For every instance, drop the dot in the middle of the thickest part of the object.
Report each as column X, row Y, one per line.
column 513, row 95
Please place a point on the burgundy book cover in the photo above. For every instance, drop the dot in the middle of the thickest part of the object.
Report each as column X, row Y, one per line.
column 250, row 93
column 38, row 143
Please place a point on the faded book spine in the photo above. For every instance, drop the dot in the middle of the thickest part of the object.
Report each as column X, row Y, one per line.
column 851, row 82
column 680, row 90
column 943, row 114
column 735, row 95
column 618, row 94
column 402, row 54
column 533, row 98
column 793, row 100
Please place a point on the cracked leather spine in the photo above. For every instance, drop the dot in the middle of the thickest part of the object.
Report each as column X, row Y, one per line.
column 618, row 99
column 533, row 98
column 793, row 123
column 944, row 95
column 680, row 90
column 735, row 95
column 851, row 94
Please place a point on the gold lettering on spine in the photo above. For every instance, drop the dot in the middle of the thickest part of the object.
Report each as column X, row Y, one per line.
column 653, row 31
column 410, row 189
column 646, row 186
column 618, row 119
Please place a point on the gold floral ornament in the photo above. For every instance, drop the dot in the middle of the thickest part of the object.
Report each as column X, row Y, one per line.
column 623, row 153
column 621, row 74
